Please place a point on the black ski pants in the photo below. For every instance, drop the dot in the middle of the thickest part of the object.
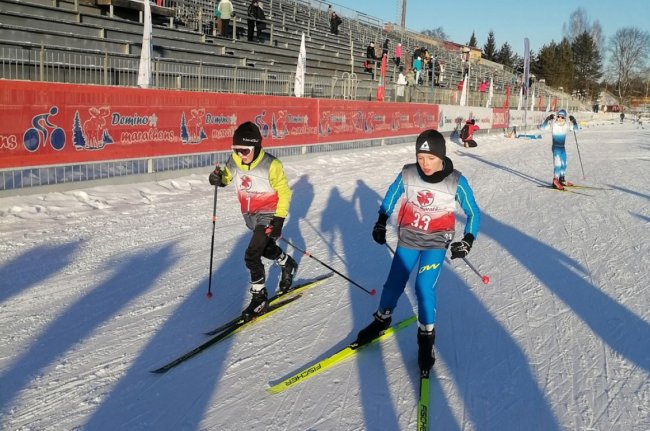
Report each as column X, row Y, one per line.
column 260, row 246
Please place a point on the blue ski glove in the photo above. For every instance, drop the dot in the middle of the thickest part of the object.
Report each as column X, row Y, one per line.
column 462, row 248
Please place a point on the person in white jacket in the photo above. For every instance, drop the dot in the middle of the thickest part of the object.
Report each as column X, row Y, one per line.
column 401, row 83
column 226, row 10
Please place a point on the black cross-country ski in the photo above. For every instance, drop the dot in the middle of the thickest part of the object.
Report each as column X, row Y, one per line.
column 298, row 288
column 233, row 329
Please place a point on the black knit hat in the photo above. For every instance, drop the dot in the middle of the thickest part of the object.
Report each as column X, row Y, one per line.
column 248, row 134
column 431, row 142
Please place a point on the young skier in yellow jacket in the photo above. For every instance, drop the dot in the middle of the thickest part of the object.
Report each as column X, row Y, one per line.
column 264, row 196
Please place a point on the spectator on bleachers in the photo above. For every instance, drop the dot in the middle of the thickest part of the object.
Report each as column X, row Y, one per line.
column 416, row 54
column 217, row 18
column 255, row 20
column 371, row 59
column 417, row 65
column 384, row 50
column 410, row 84
column 401, row 84
column 335, row 22
column 482, row 88
column 226, row 10
column 437, row 69
column 429, row 65
column 398, row 54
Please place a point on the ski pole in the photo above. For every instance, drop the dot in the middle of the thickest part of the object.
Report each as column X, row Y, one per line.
column 306, row 253
column 391, row 249
column 214, row 219
column 485, row 278
column 579, row 157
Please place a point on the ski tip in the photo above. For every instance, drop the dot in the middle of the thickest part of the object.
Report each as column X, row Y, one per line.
column 158, row 371
column 373, row 292
column 486, row 279
column 209, row 295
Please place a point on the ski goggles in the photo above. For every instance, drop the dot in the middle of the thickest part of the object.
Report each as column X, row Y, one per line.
column 243, row 151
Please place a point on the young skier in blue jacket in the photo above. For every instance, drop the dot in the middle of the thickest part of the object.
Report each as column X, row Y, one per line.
column 559, row 129
column 431, row 188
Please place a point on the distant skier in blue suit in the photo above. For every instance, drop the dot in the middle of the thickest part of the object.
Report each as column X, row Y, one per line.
column 559, row 129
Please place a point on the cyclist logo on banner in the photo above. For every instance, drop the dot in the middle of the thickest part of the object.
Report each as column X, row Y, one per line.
column 92, row 134
column 44, row 132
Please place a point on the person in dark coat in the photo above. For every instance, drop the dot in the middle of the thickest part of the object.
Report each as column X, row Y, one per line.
column 335, row 21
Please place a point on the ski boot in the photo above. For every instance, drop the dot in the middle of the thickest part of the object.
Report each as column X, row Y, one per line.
column 426, row 353
column 565, row 183
column 380, row 323
column 289, row 268
column 557, row 184
column 259, row 301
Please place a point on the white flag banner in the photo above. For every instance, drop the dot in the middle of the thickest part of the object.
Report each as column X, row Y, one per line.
column 521, row 97
column 490, row 93
column 463, row 94
column 532, row 98
column 144, row 74
column 299, row 83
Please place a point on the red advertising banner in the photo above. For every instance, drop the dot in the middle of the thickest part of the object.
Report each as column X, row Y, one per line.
column 50, row 123
column 500, row 118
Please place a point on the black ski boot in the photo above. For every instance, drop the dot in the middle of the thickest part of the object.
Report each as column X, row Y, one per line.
column 380, row 323
column 289, row 268
column 258, row 305
column 426, row 353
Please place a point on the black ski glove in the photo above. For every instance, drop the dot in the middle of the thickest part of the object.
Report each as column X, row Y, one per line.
column 462, row 248
column 550, row 117
column 216, row 176
column 573, row 120
column 274, row 229
column 379, row 231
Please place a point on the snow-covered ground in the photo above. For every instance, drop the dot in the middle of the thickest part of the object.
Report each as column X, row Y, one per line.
column 101, row 285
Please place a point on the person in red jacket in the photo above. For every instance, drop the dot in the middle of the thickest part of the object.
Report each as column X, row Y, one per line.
column 467, row 133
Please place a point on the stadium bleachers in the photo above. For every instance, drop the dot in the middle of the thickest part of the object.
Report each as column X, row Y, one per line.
column 104, row 37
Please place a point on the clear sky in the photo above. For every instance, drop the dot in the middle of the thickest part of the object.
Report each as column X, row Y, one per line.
column 511, row 20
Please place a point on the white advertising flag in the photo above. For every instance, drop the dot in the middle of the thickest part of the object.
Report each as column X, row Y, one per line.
column 299, row 83
column 144, row 74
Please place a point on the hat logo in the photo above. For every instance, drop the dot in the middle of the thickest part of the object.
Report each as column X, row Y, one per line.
column 425, row 146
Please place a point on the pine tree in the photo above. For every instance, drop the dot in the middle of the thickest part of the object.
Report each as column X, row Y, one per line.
column 185, row 136
column 543, row 66
column 472, row 41
column 564, row 67
column 490, row 47
column 588, row 65
column 505, row 55
column 77, row 133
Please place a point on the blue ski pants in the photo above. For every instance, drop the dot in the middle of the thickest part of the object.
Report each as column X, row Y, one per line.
column 559, row 162
column 429, row 265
